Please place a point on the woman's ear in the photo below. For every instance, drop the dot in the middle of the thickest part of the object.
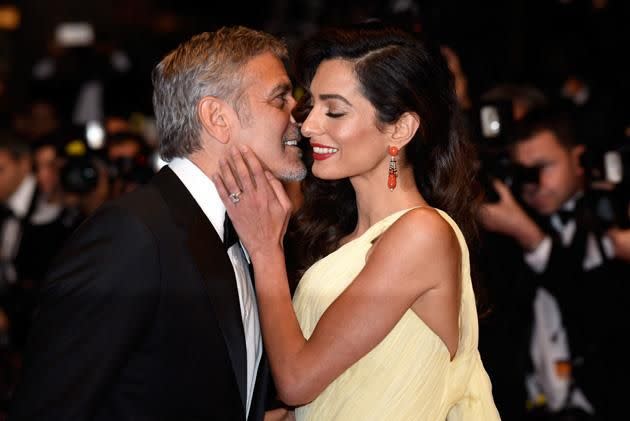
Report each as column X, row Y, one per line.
column 405, row 129
column 214, row 117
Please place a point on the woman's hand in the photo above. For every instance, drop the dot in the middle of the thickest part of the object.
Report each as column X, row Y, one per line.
column 255, row 202
column 280, row 414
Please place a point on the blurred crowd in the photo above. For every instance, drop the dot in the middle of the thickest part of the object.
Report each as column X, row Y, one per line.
column 74, row 144
column 554, row 227
column 50, row 181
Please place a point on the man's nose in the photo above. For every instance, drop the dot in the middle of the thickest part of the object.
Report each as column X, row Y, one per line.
column 530, row 188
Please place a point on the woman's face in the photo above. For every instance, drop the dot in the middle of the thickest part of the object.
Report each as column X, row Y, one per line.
column 342, row 126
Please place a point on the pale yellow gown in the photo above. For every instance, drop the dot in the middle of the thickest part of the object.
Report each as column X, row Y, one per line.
column 409, row 375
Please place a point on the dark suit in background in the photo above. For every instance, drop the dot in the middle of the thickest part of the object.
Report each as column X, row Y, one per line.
column 588, row 286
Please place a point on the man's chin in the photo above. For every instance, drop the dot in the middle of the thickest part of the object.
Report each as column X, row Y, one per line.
column 297, row 173
column 540, row 206
column 545, row 210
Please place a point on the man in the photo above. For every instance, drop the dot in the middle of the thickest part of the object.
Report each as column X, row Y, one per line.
column 46, row 168
column 150, row 312
column 128, row 157
column 31, row 233
column 505, row 326
column 564, row 244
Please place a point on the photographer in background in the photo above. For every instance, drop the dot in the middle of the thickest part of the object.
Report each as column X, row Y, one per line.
column 564, row 244
column 129, row 159
column 84, row 179
column 31, row 233
column 505, row 323
column 93, row 172
column 45, row 152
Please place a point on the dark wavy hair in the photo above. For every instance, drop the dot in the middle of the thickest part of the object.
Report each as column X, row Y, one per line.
column 397, row 73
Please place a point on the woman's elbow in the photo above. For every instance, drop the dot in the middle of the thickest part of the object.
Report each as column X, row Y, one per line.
column 295, row 391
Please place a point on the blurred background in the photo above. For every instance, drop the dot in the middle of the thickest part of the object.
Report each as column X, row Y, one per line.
column 76, row 130
column 540, row 41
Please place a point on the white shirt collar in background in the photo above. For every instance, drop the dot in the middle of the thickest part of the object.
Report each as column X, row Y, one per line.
column 21, row 199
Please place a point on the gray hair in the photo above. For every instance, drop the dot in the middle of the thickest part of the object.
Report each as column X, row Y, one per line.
column 208, row 64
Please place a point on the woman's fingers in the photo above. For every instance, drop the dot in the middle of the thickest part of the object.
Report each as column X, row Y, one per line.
column 230, row 184
column 243, row 173
column 257, row 171
column 279, row 192
column 221, row 189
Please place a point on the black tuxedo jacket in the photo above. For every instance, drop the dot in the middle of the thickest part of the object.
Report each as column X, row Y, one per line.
column 139, row 319
column 592, row 304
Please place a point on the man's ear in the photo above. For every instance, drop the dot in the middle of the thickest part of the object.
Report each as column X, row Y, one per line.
column 576, row 156
column 213, row 115
column 405, row 129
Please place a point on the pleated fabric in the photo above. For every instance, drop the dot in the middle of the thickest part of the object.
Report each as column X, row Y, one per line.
column 409, row 375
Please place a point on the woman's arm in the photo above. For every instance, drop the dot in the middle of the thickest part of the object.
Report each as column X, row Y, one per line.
column 418, row 253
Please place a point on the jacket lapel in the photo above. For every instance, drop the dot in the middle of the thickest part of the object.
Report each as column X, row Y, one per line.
column 211, row 259
column 262, row 395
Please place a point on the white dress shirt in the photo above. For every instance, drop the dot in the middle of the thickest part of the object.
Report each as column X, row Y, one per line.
column 538, row 258
column 549, row 343
column 19, row 203
column 205, row 194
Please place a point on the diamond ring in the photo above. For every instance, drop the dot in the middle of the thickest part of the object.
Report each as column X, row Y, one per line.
column 235, row 197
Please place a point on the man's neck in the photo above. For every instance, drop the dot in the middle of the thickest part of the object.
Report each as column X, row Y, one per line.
column 570, row 204
column 209, row 165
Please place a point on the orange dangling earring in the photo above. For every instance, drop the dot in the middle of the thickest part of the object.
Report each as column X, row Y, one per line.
column 393, row 169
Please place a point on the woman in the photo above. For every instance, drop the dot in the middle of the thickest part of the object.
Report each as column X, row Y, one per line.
column 383, row 325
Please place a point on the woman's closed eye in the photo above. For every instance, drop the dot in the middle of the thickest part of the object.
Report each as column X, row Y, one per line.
column 332, row 114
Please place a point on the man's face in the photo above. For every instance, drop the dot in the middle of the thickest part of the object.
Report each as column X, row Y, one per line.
column 560, row 171
column 124, row 149
column 12, row 172
column 265, row 121
column 47, row 169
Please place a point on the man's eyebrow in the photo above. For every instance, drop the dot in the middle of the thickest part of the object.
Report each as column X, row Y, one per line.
column 324, row 97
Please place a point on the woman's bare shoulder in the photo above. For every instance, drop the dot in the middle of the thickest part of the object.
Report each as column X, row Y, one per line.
column 420, row 237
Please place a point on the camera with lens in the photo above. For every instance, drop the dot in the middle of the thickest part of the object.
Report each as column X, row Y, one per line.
column 607, row 177
column 608, row 167
column 605, row 174
column 493, row 129
column 123, row 158
column 129, row 158
column 81, row 167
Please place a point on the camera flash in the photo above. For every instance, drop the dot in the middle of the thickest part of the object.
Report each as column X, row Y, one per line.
column 95, row 135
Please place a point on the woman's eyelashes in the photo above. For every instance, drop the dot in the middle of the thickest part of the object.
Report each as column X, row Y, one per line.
column 332, row 114
column 329, row 110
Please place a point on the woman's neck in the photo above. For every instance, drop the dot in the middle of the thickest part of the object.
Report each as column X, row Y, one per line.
column 375, row 201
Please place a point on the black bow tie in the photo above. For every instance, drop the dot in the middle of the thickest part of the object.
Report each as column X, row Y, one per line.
column 6, row 212
column 565, row 216
column 230, row 237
